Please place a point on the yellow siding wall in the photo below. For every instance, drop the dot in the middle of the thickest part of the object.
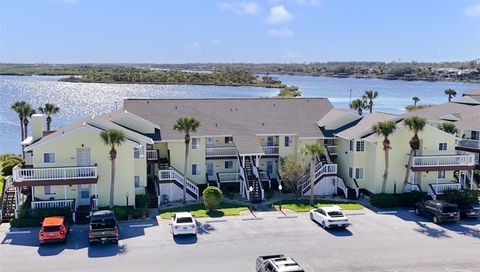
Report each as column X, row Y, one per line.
column 177, row 158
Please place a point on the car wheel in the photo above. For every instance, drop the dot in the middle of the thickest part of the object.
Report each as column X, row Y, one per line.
column 417, row 211
column 311, row 217
column 435, row 219
column 324, row 225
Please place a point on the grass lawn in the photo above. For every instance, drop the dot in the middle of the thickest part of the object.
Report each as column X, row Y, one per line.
column 198, row 210
column 303, row 205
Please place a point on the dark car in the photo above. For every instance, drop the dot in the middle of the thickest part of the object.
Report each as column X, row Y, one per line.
column 468, row 211
column 439, row 211
column 103, row 228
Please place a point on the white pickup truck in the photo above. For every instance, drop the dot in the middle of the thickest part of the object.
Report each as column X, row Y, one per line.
column 277, row 263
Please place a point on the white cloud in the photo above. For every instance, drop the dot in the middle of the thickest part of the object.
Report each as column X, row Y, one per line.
column 473, row 11
column 314, row 3
column 251, row 8
column 281, row 33
column 194, row 45
column 279, row 14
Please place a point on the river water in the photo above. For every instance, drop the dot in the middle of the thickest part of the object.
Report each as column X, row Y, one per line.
column 78, row 100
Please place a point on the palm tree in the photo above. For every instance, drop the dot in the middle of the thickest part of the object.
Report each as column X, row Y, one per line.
column 312, row 150
column 112, row 138
column 26, row 111
column 415, row 124
column 358, row 105
column 369, row 96
column 17, row 107
column 385, row 129
column 448, row 127
column 415, row 100
column 49, row 110
column 186, row 125
column 451, row 93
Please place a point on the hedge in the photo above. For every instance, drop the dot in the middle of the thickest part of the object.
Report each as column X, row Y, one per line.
column 26, row 222
column 141, row 201
column 398, row 200
column 127, row 213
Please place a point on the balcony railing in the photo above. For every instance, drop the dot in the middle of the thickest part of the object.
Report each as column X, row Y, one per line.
column 173, row 174
column 270, row 149
column 152, row 155
column 440, row 188
column 229, row 177
column 48, row 204
column 220, row 151
column 59, row 173
column 449, row 160
column 468, row 143
column 332, row 149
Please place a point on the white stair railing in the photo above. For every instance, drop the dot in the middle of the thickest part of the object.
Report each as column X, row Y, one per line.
column 341, row 185
column 152, row 155
column 435, row 189
column 173, row 174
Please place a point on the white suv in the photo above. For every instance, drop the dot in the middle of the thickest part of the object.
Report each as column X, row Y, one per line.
column 183, row 223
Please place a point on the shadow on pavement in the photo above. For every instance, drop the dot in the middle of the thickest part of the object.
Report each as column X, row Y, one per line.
column 204, row 228
column 431, row 232
column 137, row 228
column 340, row 232
column 105, row 250
column 185, row 240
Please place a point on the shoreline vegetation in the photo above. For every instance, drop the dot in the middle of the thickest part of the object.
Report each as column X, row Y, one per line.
column 245, row 74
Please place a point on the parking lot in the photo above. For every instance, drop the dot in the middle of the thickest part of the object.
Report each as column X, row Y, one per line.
column 397, row 241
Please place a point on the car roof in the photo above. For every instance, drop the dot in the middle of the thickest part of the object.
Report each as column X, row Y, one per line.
column 183, row 214
column 441, row 203
column 331, row 209
column 287, row 264
column 53, row 221
column 105, row 214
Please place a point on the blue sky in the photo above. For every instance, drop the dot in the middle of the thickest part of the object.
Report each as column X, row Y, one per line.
column 175, row 31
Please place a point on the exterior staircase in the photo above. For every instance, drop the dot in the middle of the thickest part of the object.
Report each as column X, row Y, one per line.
column 8, row 209
column 82, row 215
column 152, row 194
column 253, row 181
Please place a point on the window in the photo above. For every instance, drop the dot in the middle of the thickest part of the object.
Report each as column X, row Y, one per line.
column 350, row 172
column 48, row 190
column 195, row 169
column 228, row 164
column 195, row 143
column 360, row 146
column 49, row 157
column 228, row 140
column 441, row 174
column 442, row 146
column 359, row 173
column 138, row 182
column 136, row 153
column 475, row 135
column 351, row 145
column 288, row 141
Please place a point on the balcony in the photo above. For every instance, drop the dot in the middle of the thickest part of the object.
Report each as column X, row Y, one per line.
column 468, row 144
column 332, row 149
column 152, row 155
column 51, row 204
column 444, row 163
column 212, row 152
column 55, row 176
column 270, row 149
column 228, row 177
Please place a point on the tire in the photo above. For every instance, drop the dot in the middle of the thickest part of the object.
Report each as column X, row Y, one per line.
column 311, row 216
column 417, row 211
column 324, row 226
column 435, row 219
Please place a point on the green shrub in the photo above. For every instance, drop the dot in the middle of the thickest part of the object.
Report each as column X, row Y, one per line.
column 461, row 197
column 212, row 197
column 9, row 163
column 42, row 213
column 121, row 212
column 141, row 201
column 385, row 201
column 26, row 222
column 409, row 199
column 125, row 213
column 269, row 193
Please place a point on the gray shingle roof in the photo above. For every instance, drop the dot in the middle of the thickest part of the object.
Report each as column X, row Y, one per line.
column 364, row 127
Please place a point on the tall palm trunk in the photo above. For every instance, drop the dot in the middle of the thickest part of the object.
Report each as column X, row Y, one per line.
column 407, row 172
column 185, row 173
column 312, row 180
column 385, row 174
column 25, row 125
column 49, row 121
column 113, row 156
column 22, row 130
column 370, row 106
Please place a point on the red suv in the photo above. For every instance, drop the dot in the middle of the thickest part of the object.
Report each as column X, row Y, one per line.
column 54, row 229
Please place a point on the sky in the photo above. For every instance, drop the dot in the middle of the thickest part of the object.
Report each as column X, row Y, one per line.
column 280, row 31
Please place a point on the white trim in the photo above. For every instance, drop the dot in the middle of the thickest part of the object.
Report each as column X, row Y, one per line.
column 311, row 138
column 83, row 126
column 134, row 116
column 128, row 133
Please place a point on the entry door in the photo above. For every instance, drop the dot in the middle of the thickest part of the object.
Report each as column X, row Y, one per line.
column 84, row 194
column 83, row 157
column 270, row 167
column 210, row 142
column 210, row 169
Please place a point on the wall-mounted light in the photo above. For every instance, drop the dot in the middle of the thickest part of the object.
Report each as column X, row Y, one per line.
column 83, row 145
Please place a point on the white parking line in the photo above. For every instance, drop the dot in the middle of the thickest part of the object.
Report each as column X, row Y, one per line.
column 19, row 232
column 387, row 212
column 411, row 211
column 140, row 225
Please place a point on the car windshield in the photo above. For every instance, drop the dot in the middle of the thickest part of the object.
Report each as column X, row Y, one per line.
column 184, row 220
column 449, row 209
column 104, row 224
column 51, row 228
column 335, row 214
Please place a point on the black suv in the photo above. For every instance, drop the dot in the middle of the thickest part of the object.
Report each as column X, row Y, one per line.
column 103, row 228
column 439, row 211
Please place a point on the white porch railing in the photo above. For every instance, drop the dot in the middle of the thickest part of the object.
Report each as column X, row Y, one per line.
column 220, row 151
column 32, row 174
column 152, row 155
column 47, row 204
column 448, row 160
column 341, row 185
column 229, row 177
column 435, row 189
column 324, row 170
column 172, row 174
column 468, row 143
column 270, row 149
column 332, row 149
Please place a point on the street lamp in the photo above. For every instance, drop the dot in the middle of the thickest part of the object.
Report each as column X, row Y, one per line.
column 250, row 190
column 280, row 189
column 126, row 196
